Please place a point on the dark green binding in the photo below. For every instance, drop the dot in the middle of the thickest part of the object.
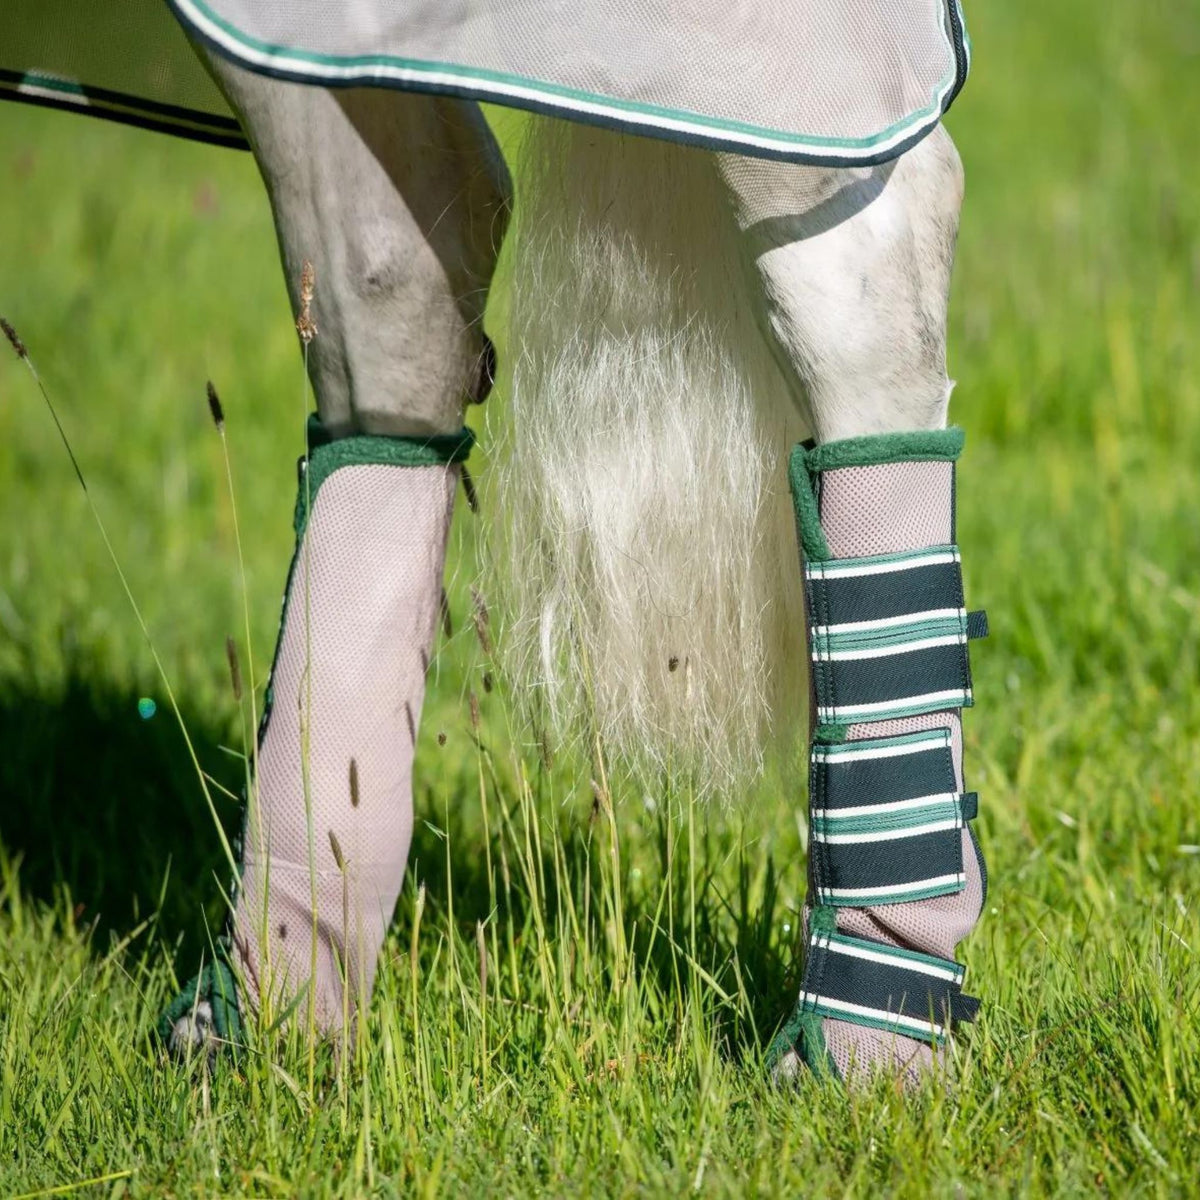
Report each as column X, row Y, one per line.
column 929, row 445
column 802, row 1030
column 215, row 983
column 327, row 454
column 808, row 461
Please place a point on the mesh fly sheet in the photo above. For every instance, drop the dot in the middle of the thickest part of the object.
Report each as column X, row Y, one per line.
column 831, row 81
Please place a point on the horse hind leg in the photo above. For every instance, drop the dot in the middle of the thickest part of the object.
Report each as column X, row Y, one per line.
column 854, row 268
column 399, row 202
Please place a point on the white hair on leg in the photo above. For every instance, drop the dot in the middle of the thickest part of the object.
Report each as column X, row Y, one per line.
column 644, row 545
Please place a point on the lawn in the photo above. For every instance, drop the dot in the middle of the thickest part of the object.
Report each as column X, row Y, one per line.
column 571, row 1005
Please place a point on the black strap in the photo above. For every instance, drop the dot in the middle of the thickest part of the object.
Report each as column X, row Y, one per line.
column 977, row 624
column 888, row 635
column 879, row 986
column 886, row 820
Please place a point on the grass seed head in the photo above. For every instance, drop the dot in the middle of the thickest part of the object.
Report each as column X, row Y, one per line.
column 214, row 406
column 235, row 669
column 480, row 615
column 13, row 339
column 306, row 327
column 335, row 846
column 545, row 750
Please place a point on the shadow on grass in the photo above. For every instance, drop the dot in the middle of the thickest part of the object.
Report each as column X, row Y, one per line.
column 102, row 804
column 729, row 919
column 103, row 807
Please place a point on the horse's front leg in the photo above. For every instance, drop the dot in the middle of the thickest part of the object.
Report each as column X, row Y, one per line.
column 398, row 201
column 855, row 267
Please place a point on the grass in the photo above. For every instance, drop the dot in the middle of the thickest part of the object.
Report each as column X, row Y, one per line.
column 570, row 1005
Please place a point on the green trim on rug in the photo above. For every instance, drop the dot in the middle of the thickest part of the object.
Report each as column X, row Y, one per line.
column 365, row 69
column 928, row 445
column 215, row 983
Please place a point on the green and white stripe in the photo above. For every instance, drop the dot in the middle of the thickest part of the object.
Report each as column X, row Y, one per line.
column 888, row 710
column 890, row 635
column 883, row 987
column 875, row 748
column 885, row 819
column 887, row 822
column 544, row 95
column 883, row 564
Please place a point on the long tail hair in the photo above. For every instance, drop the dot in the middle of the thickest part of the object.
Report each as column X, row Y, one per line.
column 643, row 544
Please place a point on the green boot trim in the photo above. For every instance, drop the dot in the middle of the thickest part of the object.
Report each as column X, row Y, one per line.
column 802, row 1031
column 806, row 462
column 216, row 984
column 808, row 515
column 928, row 445
column 327, row 454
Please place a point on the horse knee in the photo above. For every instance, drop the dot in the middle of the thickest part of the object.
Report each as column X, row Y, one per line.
column 396, row 201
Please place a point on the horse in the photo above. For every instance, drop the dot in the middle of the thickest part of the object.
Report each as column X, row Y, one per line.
column 725, row 342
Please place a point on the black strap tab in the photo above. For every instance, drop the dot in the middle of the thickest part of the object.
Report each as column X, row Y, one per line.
column 977, row 624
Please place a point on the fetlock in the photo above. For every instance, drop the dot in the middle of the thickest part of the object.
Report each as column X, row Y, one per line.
column 896, row 879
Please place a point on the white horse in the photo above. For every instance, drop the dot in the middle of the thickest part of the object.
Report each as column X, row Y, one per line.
column 680, row 318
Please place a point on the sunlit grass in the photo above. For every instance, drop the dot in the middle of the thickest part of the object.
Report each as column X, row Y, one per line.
column 553, row 1017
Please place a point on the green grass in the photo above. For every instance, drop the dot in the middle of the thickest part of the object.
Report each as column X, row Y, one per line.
column 615, row 1045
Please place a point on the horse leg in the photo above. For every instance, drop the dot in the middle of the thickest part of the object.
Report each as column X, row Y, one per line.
column 855, row 270
column 399, row 202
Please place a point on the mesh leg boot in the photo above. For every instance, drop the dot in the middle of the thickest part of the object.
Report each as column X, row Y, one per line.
column 896, row 878
column 326, row 841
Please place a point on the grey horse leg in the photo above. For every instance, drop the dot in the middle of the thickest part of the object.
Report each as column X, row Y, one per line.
column 855, row 270
column 399, row 202
column 855, row 267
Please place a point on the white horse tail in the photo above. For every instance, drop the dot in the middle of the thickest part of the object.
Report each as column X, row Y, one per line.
column 643, row 546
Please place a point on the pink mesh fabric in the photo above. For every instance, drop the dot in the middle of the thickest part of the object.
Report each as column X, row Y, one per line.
column 887, row 509
column 884, row 510
column 348, row 687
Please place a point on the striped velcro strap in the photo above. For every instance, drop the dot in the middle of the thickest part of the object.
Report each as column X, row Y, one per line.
column 886, row 820
column 871, row 983
column 888, row 635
